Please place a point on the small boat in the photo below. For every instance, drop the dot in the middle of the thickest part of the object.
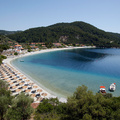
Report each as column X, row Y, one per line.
column 21, row 60
column 112, row 87
column 102, row 89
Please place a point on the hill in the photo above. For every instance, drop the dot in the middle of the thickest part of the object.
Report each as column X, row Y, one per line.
column 75, row 32
column 4, row 32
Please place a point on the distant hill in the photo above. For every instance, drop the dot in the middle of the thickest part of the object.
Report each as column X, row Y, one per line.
column 4, row 32
column 6, row 41
column 75, row 32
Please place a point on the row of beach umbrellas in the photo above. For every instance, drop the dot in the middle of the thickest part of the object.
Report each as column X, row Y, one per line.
column 19, row 83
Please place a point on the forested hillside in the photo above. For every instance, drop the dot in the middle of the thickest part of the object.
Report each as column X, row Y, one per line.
column 76, row 32
column 4, row 32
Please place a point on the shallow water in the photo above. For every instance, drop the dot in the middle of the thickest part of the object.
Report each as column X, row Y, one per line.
column 61, row 72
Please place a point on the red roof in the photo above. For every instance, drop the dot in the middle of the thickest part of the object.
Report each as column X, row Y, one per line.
column 35, row 105
column 17, row 45
column 102, row 86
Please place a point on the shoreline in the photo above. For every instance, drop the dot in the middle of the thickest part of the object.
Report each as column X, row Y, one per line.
column 10, row 59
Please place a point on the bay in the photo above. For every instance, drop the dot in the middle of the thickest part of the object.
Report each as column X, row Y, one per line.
column 61, row 72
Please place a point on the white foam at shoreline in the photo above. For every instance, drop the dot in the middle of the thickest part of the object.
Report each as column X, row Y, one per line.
column 8, row 61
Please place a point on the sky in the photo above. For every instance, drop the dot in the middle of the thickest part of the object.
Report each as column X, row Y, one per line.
column 25, row 14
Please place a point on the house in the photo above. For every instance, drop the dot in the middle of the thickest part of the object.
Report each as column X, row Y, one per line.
column 18, row 48
column 34, row 47
column 32, row 44
column 57, row 44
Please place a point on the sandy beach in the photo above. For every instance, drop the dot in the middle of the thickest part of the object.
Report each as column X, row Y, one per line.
column 19, row 82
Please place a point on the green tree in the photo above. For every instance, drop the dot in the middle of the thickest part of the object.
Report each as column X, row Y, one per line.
column 44, row 107
column 5, row 99
column 47, row 110
column 1, row 58
column 84, row 105
column 48, row 44
column 20, row 109
column 15, row 53
column 29, row 48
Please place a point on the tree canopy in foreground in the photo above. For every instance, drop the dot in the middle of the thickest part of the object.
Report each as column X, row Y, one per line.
column 14, row 108
column 83, row 105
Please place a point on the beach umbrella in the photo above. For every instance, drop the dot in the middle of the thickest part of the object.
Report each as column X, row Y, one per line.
column 24, row 87
column 8, row 80
column 13, row 75
column 33, row 95
column 11, row 83
column 39, row 90
column 21, row 83
column 27, row 91
column 44, row 94
column 31, row 83
column 18, row 90
column 18, row 81
column 14, row 87
column 27, row 80
column 21, row 75
column 35, row 86
column 24, row 77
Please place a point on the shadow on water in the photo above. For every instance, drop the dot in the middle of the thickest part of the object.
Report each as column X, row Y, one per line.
column 86, row 56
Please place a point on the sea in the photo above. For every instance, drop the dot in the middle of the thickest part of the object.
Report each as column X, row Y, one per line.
column 61, row 72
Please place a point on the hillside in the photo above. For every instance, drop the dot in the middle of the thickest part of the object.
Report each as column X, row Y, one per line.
column 4, row 32
column 76, row 32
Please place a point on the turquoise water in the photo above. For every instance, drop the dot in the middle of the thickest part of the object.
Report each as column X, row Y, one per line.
column 61, row 72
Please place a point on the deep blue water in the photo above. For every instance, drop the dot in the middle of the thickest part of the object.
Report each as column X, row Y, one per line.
column 61, row 72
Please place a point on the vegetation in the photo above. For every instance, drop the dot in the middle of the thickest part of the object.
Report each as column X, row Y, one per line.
column 4, row 32
column 15, row 53
column 3, row 47
column 5, row 99
column 83, row 105
column 29, row 48
column 20, row 108
column 47, row 109
column 1, row 58
column 14, row 108
column 4, row 40
column 76, row 32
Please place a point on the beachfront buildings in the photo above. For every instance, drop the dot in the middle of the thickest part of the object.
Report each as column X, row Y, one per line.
column 18, row 48
column 57, row 44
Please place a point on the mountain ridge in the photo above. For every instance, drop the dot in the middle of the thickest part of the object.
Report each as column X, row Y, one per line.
column 6, row 32
column 75, row 32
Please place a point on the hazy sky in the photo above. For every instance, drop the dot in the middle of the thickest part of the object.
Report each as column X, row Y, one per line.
column 25, row 14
